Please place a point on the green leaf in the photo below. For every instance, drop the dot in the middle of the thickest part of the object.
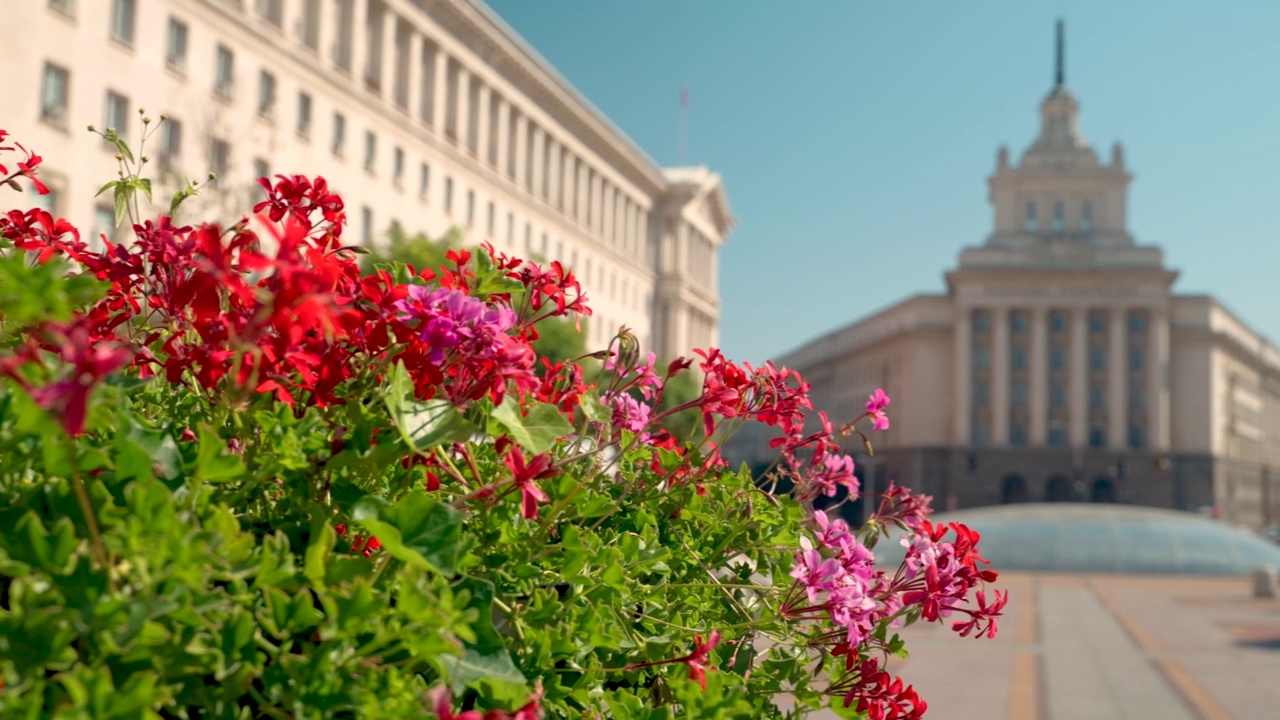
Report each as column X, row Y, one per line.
column 122, row 202
column 423, row 425
column 323, row 538
column 420, row 531
column 594, row 409
column 106, row 187
column 145, row 185
column 475, row 665
column 537, row 430
column 213, row 462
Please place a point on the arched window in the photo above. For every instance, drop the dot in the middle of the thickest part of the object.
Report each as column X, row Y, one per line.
column 1104, row 491
column 1057, row 489
column 1013, row 490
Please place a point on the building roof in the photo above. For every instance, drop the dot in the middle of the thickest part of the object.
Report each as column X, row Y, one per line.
column 1078, row 537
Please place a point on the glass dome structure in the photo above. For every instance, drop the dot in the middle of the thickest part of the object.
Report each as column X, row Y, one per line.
column 1068, row 537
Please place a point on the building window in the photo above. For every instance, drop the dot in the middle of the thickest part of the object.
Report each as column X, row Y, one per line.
column 981, row 320
column 224, row 72
column 104, row 223
column 1137, row 321
column 1059, row 217
column 117, row 117
column 979, row 434
column 311, row 24
column 981, row 394
column 1097, row 359
column 1137, row 398
column 66, row 7
column 1097, row 396
column 1097, row 436
column 1086, row 216
column 491, row 221
column 370, row 150
column 981, row 358
column 511, row 229
column 175, row 54
column 424, row 180
column 1018, row 358
column 1097, row 322
column 1137, row 359
column 266, row 94
column 397, row 166
column 54, row 92
column 1019, row 394
column 528, row 239
column 1057, row 435
column 1018, row 321
column 304, row 115
column 219, row 157
column 471, row 207
column 272, row 11
column 339, row 142
column 1057, row 358
column 1017, row 434
column 1030, row 224
column 122, row 20
column 1057, row 322
column 1057, row 396
column 366, row 225
column 448, row 194
column 1137, row 438
column 261, row 170
column 170, row 142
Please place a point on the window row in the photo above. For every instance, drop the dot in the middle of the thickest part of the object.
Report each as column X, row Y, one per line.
column 1056, row 435
column 1020, row 321
column 1058, row 221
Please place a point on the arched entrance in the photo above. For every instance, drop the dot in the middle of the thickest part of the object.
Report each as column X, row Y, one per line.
column 1013, row 489
column 1057, row 489
column 1104, row 491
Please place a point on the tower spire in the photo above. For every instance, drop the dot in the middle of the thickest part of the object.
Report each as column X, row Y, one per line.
column 1060, row 72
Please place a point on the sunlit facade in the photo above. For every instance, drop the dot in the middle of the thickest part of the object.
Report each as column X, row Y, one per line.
column 1059, row 365
column 426, row 114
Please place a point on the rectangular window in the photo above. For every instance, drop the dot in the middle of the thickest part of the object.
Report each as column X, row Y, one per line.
column 1137, row 398
column 1097, row 322
column 1137, row 358
column 54, row 91
column 1017, row 434
column 1019, row 393
column 397, row 167
column 272, row 11
column 175, row 54
column 370, row 150
column 1057, row 396
column 1086, row 216
column 1018, row 321
column 1057, row 358
column 448, row 194
column 471, row 207
column 117, row 116
column 424, row 180
column 219, row 157
column 339, row 142
column 1097, row 396
column 266, row 94
column 304, row 115
column 366, row 226
column 981, row 321
column 1057, row 435
column 311, row 24
column 104, row 224
column 981, row 358
column 1137, row 321
column 1137, row 438
column 981, row 394
column 511, row 229
column 528, row 239
column 1097, row 436
column 1097, row 359
column 980, row 435
column 170, row 142
column 260, row 170
column 489, row 226
column 66, row 7
column 122, row 20
column 1018, row 358
column 1030, row 223
column 1057, row 322
column 224, row 72
column 1059, row 217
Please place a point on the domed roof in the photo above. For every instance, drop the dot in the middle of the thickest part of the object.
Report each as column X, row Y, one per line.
column 1070, row 537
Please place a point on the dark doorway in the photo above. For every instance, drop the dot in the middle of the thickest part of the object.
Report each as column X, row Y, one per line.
column 1104, row 491
column 1058, row 489
column 1013, row 490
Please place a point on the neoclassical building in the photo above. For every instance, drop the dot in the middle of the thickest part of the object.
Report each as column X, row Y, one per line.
column 427, row 114
column 1059, row 365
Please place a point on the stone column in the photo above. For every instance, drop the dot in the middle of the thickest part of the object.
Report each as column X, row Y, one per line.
column 439, row 88
column 962, row 434
column 1117, row 369
column 1157, row 378
column 1038, row 382
column 387, row 73
column 327, row 42
column 413, row 103
column 999, row 376
column 553, row 169
column 463, row 121
column 522, row 149
column 1078, row 385
column 359, row 40
column 539, row 185
column 483, row 98
column 504, row 135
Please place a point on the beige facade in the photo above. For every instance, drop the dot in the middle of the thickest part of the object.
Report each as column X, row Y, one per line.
column 1059, row 365
column 427, row 114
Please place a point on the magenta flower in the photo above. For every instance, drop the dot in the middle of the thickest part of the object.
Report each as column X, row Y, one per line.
column 524, row 475
column 875, row 408
column 449, row 319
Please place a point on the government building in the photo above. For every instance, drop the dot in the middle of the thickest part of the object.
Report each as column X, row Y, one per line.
column 423, row 114
column 1060, row 365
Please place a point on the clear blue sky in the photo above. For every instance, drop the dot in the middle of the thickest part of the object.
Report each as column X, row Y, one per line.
column 855, row 137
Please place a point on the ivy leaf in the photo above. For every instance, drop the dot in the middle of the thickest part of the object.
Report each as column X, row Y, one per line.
column 420, row 531
column 323, row 539
column 422, row 424
column 213, row 462
column 536, row 431
column 594, row 409
column 476, row 665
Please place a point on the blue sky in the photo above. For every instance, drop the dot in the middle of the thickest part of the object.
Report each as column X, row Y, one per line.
column 855, row 137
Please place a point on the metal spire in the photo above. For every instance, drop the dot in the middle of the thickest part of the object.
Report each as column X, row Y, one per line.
column 1060, row 68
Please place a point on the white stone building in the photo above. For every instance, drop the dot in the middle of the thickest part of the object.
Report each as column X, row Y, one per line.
column 429, row 114
column 1059, row 365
